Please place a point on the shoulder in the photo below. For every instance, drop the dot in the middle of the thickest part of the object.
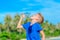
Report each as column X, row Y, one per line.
column 28, row 22
column 38, row 24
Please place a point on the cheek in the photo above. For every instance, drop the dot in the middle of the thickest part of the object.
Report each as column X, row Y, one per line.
column 36, row 18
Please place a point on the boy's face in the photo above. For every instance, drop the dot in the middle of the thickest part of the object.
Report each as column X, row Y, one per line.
column 35, row 17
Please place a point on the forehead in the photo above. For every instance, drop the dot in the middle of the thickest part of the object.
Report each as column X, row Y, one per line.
column 37, row 15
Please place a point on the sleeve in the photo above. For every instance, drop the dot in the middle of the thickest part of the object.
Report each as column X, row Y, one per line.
column 39, row 28
column 25, row 26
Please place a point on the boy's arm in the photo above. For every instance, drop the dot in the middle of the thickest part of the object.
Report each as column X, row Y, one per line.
column 19, row 24
column 43, row 35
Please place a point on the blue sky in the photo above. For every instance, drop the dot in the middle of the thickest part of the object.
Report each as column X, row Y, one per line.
column 50, row 9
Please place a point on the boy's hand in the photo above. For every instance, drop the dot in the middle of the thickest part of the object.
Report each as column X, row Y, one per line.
column 18, row 27
column 23, row 16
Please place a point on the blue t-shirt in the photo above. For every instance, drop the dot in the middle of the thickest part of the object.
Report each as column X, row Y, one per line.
column 33, row 31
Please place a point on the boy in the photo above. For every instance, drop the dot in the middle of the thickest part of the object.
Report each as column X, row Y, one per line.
column 33, row 28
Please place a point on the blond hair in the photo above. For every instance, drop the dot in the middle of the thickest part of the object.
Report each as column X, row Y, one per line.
column 42, row 19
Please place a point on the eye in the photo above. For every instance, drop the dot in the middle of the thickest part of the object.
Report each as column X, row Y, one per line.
column 37, row 19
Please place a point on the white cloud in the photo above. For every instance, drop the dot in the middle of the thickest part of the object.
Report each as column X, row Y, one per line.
column 51, row 10
column 24, row 8
column 1, row 15
column 31, row 4
column 54, row 7
column 49, row 6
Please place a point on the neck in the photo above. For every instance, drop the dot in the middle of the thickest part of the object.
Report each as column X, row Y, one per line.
column 33, row 21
